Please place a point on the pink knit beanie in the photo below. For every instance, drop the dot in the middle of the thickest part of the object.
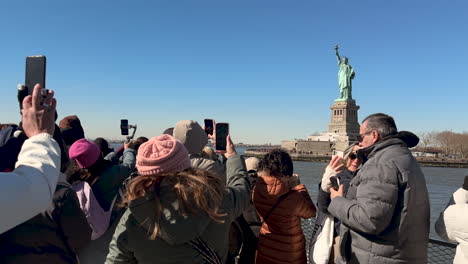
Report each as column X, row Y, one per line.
column 84, row 152
column 162, row 154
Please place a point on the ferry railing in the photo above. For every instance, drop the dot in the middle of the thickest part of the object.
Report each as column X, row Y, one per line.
column 439, row 252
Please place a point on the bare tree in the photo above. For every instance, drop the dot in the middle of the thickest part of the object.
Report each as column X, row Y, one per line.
column 453, row 144
column 427, row 139
column 445, row 140
column 461, row 145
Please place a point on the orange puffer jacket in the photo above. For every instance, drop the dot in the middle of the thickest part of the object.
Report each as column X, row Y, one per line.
column 281, row 239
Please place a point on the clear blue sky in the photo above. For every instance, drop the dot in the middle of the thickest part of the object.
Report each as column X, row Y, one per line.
column 265, row 66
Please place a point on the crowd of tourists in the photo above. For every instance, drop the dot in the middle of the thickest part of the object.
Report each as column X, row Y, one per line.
column 171, row 198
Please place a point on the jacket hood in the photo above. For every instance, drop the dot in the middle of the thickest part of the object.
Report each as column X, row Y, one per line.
column 410, row 139
column 174, row 227
column 403, row 138
column 192, row 135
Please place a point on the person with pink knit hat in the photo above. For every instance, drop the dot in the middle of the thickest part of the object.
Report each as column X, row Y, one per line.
column 105, row 180
column 162, row 154
column 176, row 213
column 104, row 177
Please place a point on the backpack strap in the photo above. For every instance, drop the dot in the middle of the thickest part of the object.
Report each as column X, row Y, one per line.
column 248, row 247
column 125, row 183
column 280, row 199
column 250, row 223
column 208, row 254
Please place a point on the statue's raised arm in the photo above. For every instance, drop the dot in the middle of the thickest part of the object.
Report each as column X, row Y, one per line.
column 337, row 54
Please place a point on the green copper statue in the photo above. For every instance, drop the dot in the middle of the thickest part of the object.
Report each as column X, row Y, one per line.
column 345, row 75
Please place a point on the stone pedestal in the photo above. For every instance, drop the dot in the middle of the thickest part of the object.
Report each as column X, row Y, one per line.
column 344, row 121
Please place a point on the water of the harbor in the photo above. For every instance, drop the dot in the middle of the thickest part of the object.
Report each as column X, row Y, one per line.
column 441, row 183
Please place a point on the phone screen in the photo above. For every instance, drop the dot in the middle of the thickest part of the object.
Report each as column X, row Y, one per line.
column 209, row 126
column 335, row 183
column 35, row 72
column 124, row 127
column 222, row 131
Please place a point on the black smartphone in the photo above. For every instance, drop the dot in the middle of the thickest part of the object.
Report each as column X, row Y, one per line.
column 35, row 73
column 209, row 126
column 335, row 183
column 222, row 131
column 124, row 127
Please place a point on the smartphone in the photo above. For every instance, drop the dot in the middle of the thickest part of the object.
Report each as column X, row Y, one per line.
column 35, row 73
column 124, row 127
column 222, row 131
column 335, row 183
column 209, row 126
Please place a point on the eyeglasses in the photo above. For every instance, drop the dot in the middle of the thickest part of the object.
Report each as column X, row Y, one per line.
column 352, row 156
column 360, row 137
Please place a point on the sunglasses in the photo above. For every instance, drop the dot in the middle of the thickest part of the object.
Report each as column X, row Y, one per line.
column 352, row 156
column 360, row 137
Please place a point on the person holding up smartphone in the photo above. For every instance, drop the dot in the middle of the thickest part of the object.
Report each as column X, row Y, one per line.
column 194, row 138
column 29, row 188
column 201, row 210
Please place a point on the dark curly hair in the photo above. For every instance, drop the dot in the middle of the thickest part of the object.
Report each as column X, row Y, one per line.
column 277, row 163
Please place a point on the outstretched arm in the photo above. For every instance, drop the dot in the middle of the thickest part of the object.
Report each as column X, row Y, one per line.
column 337, row 54
column 29, row 188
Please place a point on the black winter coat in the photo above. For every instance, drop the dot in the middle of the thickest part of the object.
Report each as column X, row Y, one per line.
column 50, row 237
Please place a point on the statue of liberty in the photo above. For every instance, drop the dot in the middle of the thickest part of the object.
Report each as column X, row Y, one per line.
column 345, row 76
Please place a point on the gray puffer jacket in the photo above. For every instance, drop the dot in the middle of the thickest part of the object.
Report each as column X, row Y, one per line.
column 216, row 167
column 385, row 214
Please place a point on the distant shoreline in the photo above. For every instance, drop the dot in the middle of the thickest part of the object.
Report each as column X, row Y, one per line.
column 312, row 158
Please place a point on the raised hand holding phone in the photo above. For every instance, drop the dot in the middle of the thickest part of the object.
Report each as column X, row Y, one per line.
column 230, row 149
column 337, row 193
column 336, row 163
column 334, row 167
column 39, row 118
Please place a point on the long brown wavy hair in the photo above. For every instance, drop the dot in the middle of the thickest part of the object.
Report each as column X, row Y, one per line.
column 198, row 192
